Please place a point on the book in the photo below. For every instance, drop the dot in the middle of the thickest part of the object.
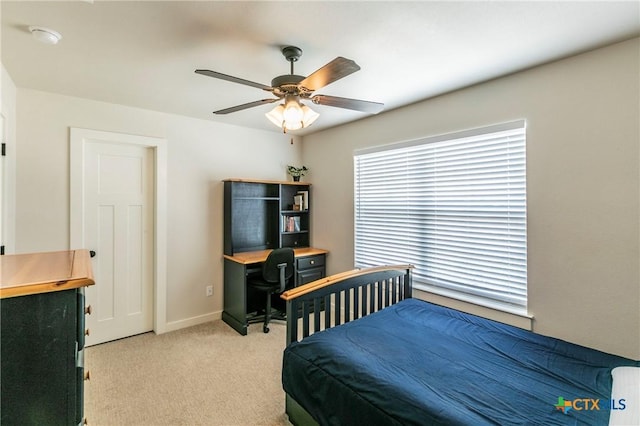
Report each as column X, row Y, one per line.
column 291, row 224
column 305, row 199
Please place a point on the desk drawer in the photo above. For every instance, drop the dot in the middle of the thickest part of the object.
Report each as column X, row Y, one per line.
column 310, row 262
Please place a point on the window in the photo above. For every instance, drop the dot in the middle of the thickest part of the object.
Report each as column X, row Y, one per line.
column 454, row 206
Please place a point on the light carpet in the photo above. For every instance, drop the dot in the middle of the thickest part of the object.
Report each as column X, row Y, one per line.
column 203, row 375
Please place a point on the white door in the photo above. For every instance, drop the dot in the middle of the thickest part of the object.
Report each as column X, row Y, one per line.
column 3, row 138
column 118, row 181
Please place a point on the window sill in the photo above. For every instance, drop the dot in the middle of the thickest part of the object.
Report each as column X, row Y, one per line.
column 496, row 312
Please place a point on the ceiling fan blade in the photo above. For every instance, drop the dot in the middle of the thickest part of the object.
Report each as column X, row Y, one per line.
column 355, row 104
column 233, row 79
column 335, row 70
column 245, row 106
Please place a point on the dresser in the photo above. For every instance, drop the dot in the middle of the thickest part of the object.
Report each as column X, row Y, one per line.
column 42, row 310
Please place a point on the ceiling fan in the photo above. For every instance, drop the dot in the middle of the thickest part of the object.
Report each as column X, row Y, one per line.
column 292, row 114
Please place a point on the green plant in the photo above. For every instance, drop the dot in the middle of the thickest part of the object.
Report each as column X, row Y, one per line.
column 297, row 171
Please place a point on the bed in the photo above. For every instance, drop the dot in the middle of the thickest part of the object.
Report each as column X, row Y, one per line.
column 360, row 350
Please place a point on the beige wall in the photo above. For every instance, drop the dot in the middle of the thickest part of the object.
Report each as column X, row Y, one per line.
column 200, row 154
column 583, row 137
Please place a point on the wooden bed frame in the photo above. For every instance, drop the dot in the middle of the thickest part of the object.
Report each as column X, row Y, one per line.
column 338, row 299
column 352, row 295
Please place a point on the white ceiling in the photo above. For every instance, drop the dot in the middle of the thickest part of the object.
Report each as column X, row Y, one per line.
column 144, row 53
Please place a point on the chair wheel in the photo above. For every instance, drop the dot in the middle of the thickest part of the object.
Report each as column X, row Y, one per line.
column 265, row 329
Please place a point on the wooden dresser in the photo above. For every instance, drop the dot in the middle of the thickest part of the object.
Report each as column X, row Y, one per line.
column 42, row 334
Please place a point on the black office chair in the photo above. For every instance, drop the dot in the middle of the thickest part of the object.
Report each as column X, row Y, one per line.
column 277, row 270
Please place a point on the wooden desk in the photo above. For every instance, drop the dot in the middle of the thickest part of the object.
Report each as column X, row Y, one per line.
column 310, row 266
column 42, row 332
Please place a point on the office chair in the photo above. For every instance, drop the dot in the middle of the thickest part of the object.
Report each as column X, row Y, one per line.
column 277, row 270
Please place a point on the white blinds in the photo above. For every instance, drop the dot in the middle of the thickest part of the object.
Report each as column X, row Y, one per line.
column 454, row 207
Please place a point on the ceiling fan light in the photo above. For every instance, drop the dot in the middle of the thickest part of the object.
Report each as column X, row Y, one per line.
column 292, row 115
column 275, row 115
column 292, row 112
column 309, row 116
column 293, row 125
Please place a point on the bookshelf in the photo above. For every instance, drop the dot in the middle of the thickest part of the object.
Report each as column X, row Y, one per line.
column 294, row 215
column 260, row 215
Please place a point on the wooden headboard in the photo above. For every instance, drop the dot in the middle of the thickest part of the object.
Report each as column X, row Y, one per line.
column 344, row 297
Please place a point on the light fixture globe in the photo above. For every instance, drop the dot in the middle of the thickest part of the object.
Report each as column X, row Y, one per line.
column 45, row 35
column 292, row 114
column 309, row 116
column 275, row 115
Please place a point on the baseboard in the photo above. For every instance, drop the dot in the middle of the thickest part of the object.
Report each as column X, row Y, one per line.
column 189, row 322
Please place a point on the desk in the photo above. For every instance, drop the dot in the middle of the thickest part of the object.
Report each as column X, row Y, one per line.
column 310, row 266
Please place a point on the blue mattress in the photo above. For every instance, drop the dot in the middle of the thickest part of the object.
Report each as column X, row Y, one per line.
column 423, row 364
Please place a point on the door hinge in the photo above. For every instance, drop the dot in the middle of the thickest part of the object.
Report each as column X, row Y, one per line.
column 4, row 149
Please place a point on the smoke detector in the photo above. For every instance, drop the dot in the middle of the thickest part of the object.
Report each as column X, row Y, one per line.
column 45, row 35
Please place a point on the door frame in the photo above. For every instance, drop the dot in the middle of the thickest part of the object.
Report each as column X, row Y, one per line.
column 3, row 132
column 79, row 138
column 9, row 181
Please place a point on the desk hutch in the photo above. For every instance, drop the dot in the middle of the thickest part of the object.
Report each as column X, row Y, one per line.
column 258, row 217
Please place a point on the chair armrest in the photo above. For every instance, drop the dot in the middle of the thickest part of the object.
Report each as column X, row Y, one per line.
column 282, row 267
